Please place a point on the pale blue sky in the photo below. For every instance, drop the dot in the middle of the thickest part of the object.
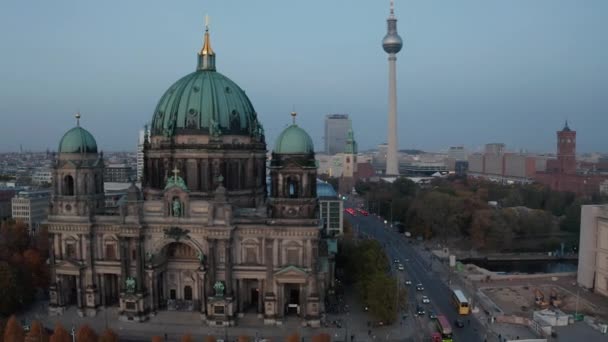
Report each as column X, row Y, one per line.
column 471, row 71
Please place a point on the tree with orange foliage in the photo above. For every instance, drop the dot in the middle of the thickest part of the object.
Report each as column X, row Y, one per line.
column 108, row 336
column 209, row 339
column 86, row 334
column 243, row 338
column 36, row 333
column 13, row 331
column 157, row 339
column 322, row 337
column 293, row 338
column 187, row 338
column 60, row 334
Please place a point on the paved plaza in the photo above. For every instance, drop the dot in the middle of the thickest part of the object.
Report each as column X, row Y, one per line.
column 354, row 324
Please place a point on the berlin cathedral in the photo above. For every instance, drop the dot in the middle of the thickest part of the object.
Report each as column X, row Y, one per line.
column 205, row 232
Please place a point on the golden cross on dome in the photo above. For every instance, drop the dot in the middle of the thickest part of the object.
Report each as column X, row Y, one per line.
column 175, row 172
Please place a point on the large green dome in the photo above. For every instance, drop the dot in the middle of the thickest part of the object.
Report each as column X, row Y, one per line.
column 204, row 99
column 294, row 140
column 77, row 140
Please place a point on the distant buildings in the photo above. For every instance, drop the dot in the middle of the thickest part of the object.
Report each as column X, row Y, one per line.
column 498, row 165
column 604, row 187
column 565, row 174
column 31, row 207
column 42, row 176
column 593, row 249
column 6, row 197
column 336, row 130
column 140, row 153
column 117, row 173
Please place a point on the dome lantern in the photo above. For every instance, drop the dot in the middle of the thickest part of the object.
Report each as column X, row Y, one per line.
column 206, row 57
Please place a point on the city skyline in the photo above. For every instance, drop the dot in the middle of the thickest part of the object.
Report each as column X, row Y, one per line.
column 458, row 84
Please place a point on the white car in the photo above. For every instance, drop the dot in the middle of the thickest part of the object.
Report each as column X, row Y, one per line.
column 400, row 267
column 426, row 300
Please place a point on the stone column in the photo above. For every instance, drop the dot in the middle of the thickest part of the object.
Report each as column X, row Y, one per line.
column 260, row 296
column 151, row 289
column 203, row 296
column 124, row 257
column 79, row 291
column 52, row 252
column 139, row 264
column 57, row 245
column 228, row 267
column 211, row 269
column 102, row 285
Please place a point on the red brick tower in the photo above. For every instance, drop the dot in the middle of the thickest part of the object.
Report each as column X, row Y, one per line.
column 566, row 150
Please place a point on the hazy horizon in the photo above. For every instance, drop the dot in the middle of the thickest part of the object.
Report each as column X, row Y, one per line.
column 470, row 73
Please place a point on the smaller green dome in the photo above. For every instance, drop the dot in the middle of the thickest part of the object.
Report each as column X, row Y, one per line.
column 78, row 140
column 294, row 140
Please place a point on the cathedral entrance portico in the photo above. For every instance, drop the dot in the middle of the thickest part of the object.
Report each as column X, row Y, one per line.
column 178, row 279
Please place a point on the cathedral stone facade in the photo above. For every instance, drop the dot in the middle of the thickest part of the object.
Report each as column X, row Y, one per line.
column 202, row 234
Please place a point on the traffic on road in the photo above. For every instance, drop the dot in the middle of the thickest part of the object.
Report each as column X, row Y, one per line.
column 429, row 299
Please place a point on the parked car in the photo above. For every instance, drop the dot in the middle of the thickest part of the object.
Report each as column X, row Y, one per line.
column 425, row 300
column 459, row 323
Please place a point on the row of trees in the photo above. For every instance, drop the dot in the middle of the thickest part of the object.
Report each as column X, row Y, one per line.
column 458, row 207
column 14, row 332
column 23, row 267
column 365, row 265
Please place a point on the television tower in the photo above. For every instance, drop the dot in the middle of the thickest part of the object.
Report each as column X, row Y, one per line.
column 392, row 44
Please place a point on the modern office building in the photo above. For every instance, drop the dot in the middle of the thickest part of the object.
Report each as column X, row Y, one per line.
column 593, row 249
column 42, row 176
column 140, row 153
column 118, row 173
column 458, row 153
column 31, row 208
column 330, row 209
column 336, row 130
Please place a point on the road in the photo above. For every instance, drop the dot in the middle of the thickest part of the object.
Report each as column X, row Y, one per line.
column 418, row 269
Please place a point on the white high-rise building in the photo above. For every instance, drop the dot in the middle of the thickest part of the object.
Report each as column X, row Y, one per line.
column 140, row 154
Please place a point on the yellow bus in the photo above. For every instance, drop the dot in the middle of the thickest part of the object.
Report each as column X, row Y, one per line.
column 461, row 302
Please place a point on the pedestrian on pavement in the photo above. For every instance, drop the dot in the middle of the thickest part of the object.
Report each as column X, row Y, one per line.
column 166, row 337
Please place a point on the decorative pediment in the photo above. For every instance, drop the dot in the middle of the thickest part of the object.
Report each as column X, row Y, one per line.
column 69, row 265
column 291, row 274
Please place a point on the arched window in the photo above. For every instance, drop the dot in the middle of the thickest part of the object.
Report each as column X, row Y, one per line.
column 292, row 188
column 188, row 292
column 68, row 185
